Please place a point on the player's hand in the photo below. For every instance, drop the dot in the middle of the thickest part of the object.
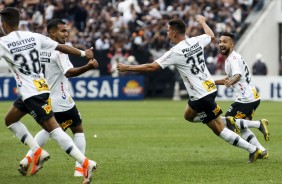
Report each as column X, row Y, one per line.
column 121, row 67
column 200, row 19
column 227, row 82
column 89, row 53
column 93, row 64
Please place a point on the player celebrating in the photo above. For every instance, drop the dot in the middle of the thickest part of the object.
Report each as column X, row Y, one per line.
column 20, row 49
column 248, row 99
column 188, row 58
column 57, row 69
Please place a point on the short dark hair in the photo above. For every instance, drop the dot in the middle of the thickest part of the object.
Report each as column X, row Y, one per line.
column 231, row 35
column 178, row 25
column 53, row 24
column 11, row 16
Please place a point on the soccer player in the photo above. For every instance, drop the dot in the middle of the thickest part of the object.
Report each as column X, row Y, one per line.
column 247, row 97
column 57, row 69
column 20, row 49
column 188, row 58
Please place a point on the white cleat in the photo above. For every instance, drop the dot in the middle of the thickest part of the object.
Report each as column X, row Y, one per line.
column 88, row 168
column 40, row 156
column 78, row 172
column 24, row 165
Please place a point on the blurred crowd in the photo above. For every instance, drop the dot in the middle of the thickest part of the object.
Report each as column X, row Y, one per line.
column 133, row 31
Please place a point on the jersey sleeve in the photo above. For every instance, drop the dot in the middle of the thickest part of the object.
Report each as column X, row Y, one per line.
column 235, row 67
column 64, row 62
column 204, row 39
column 47, row 43
column 166, row 60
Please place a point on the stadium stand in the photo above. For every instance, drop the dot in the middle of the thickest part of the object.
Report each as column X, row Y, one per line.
column 135, row 27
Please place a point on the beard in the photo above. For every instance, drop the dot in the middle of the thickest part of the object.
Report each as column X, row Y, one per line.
column 225, row 52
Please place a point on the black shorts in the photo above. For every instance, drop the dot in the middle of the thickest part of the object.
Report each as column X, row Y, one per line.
column 242, row 110
column 37, row 106
column 206, row 107
column 69, row 118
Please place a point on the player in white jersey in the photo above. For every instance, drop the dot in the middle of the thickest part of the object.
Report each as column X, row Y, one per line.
column 188, row 58
column 247, row 97
column 20, row 50
column 57, row 68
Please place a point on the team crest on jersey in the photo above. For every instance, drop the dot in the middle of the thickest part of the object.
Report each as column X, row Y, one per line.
column 66, row 124
column 216, row 110
column 240, row 115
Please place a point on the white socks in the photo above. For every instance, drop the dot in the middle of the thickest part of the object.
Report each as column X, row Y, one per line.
column 41, row 138
column 80, row 142
column 66, row 143
column 235, row 140
column 250, row 137
column 21, row 132
column 243, row 123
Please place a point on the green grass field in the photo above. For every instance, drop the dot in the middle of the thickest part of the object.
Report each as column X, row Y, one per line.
column 148, row 142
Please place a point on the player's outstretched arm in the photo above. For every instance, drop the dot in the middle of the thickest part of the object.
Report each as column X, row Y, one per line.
column 74, row 51
column 202, row 20
column 73, row 72
column 150, row 67
column 220, row 81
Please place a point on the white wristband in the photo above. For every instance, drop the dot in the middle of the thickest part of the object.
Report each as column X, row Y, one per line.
column 82, row 53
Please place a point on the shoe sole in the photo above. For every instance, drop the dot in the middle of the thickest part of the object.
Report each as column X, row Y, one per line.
column 263, row 157
column 90, row 178
column 257, row 154
column 40, row 167
column 23, row 170
column 236, row 128
column 266, row 135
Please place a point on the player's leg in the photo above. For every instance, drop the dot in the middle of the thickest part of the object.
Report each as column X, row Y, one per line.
column 48, row 122
column 211, row 117
column 12, row 120
column 190, row 114
column 78, row 133
column 80, row 142
column 234, row 139
column 41, row 138
column 243, row 112
column 67, row 144
column 246, row 111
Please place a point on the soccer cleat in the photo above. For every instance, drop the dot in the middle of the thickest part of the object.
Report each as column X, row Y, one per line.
column 263, row 129
column 88, row 168
column 40, row 156
column 253, row 156
column 263, row 155
column 24, row 165
column 231, row 124
column 78, row 172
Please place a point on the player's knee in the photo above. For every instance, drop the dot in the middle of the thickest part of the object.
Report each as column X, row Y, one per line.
column 188, row 118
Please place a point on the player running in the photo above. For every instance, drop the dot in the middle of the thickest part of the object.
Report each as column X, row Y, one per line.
column 20, row 49
column 188, row 58
column 57, row 68
column 247, row 97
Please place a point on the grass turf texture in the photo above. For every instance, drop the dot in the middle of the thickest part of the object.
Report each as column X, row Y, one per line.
column 148, row 142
